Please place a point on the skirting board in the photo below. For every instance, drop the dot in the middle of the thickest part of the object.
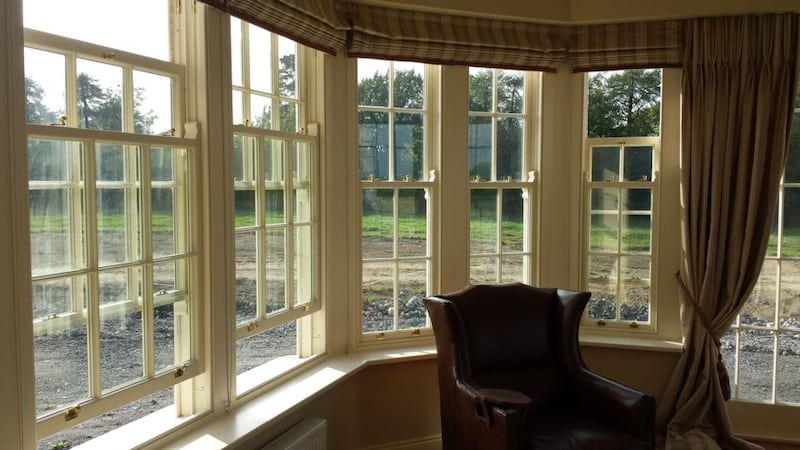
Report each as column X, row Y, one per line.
column 429, row 443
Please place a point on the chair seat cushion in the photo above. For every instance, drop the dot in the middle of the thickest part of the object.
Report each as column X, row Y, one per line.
column 563, row 432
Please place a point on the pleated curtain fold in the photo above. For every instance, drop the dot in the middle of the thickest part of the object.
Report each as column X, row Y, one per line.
column 739, row 79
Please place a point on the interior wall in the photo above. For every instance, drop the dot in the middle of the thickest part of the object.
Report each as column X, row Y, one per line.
column 396, row 405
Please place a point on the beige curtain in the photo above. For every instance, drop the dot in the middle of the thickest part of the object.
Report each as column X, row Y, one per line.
column 738, row 86
column 631, row 45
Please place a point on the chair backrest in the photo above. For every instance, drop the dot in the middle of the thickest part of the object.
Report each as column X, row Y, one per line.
column 511, row 336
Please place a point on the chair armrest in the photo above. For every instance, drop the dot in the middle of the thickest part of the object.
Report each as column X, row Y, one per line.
column 494, row 417
column 616, row 404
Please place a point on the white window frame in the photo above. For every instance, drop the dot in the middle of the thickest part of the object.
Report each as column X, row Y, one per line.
column 430, row 184
column 188, row 339
column 307, row 310
column 776, row 328
column 527, row 184
column 619, row 253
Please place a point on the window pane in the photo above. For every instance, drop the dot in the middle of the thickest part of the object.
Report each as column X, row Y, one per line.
column 61, row 347
column 510, row 91
column 303, row 265
column 624, row 103
column 483, row 221
column 480, row 89
column 483, row 269
column 377, row 223
column 164, row 336
column 412, row 289
column 71, row 21
column 245, row 204
column 789, row 312
column 153, row 103
column 605, row 199
column 792, row 171
column 275, row 271
column 118, row 236
column 605, row 163
column 513, row 269
column 791, row 222
column 788, row 388
column 513, row 232
column 243, row 158
column 760, row 306
column 480, row 147
column 161, row 163
column 509, row 148
column 408, row 146
column 260, row 60
column 274, row 177
column 52, row 160
column 236, row 53
column 237, row 100
column 604, row 232
column 45, row 87
column 121, row 338
column 377, row 296
column 99, row 94
column 264, row 347
column 772, row 244
column 246, row 276
column 756, row 364
column 638, row 164
column 409, row 87
column 261, row 112
column 57, row 231
column 412, row 223
column 373, row 82
column 635, row 289
column 373, row 145
column 637, row 200
column 163, row 221
column 287, row 57
column 636, row 236
column 302, row 182
column 289, row 117
column 603, row 285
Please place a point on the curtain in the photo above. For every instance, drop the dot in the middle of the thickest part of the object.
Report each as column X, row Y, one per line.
column 400, row 34
column 319, row 24
column 738, row 86
column 626, row 45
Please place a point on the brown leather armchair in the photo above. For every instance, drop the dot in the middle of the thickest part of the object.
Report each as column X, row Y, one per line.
column 511, row 375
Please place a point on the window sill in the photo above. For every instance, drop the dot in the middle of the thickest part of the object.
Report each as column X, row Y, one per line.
column 630, row 343
column 234, row 427
column 256, row 413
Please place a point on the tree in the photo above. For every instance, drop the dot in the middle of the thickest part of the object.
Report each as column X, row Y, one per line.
column 101, row 109
column 35, row 109
column 409, row 92
column 624, row 103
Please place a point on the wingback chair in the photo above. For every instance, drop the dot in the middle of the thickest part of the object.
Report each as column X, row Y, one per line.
column 511, row 375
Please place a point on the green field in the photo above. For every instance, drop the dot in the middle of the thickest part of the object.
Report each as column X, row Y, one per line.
column 634, row 239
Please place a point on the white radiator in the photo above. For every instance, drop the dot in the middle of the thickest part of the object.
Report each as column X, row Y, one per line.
column 310, row 434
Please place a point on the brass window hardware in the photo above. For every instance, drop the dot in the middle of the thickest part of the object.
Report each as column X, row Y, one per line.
column 72, row 413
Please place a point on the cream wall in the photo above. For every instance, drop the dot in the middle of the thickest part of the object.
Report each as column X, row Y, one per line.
column 396, row 405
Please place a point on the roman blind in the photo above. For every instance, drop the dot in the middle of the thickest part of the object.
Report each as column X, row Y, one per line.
column 626, row 45
column 400, row 34
column 316, row 23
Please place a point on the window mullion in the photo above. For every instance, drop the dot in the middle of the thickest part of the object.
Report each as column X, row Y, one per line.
column 258, row 156
column 146, row 224
column 128, row 101
column 90, row 281
column 289, row 219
